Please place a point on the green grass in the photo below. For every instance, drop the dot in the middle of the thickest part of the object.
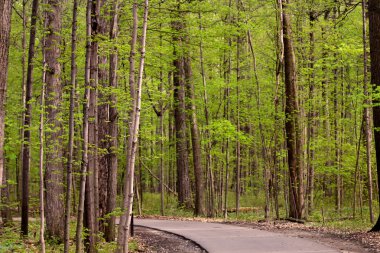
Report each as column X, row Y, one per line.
column 10, row 241
column 322, row 216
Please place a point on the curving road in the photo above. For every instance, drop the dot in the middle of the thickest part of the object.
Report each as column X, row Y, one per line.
column 220, row 238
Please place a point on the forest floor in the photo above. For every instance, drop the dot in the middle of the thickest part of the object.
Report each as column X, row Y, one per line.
column 342, row 240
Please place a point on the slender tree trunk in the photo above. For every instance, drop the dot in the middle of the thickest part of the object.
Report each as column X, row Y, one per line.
column 367, row 114
column 132, row 89
column 311, row 120
column 23, row 98
column 293, row 131
column 83, row 177
column 5, row 28
column 113, row 128
column 279, row 70
column 125, row 220
column 27, row 121
column 92, row 190
column 41, row 164
column 210, row 174
column 70, row 160
column 238, row 146
column 374, row 38
column 195, row 141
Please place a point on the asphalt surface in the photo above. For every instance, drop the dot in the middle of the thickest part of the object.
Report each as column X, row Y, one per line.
column 220, row 238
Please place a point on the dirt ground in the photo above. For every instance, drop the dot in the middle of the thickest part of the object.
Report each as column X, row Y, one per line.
column 345, row 242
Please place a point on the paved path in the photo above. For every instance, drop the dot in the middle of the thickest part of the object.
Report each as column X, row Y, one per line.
column 220, row 238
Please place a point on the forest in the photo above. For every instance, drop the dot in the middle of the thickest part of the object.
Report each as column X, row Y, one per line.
column 233, row 110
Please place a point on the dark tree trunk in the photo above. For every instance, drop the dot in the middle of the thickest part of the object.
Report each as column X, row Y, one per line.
column 26, row 123
column 103, row 118
column 374, row 40
column 293, row 131
column 5, row 28
column 113, row 129
column 195, row 141
column 182, row 153
column 54, row 154
column 92, row 189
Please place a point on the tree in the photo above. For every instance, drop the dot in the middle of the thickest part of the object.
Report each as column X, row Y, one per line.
column 125, row 219
column 70, row 159
column 195, row 140
column 5, row 28
column 113, row 127
column 27, row 122
column 374, row 41
column 293, row 134
column 367, row 113
column 182, row 153
column 84, row 163
column 54, row 163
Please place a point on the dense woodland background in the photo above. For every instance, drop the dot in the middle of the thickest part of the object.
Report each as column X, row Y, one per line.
column 245, row 109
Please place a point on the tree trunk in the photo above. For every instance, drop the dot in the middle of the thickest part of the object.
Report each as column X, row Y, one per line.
column 293, row 131
column 195, row 141
column 374, row 39
column 103, row 107
column 54, row 162
column 367, row 114
column 5, row 28
column 83, row 177
column 70, row 160
column 92, row 190
column 27, row 121
column 128, row 150
column 125, row 220
column 113, row 129
column 311, row 120
column 41, row 152
column 182, row 153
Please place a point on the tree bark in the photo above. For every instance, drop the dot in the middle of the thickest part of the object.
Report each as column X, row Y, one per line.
column 374, row 40
column 367, row 114
column 125, row 220
column 41, row 151
column 195, row 141
column 92, row 189
column 5, row 28
column 70, row 160
column 182, row 153
column 83, row 177
column 113, row 128
column 128, row 150
column 54, row 154
column 293, row 131
column 27, row 121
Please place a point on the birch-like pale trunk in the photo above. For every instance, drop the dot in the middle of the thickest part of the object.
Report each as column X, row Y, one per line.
column 125, row 220
column 121, row 237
